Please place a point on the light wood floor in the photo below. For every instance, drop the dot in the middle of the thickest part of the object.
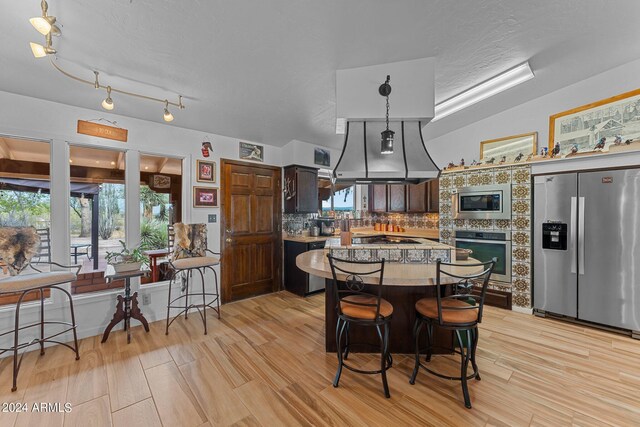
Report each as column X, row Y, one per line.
column 264, row 364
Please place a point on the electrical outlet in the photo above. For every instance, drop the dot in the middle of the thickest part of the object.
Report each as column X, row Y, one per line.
column 146, row 299
column 213, row 218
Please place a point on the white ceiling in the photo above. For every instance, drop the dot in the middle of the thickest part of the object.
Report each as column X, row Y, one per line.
column 264, row 70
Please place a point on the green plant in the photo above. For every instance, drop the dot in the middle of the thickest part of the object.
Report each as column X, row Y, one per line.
column 127, row 255
column 153, row 234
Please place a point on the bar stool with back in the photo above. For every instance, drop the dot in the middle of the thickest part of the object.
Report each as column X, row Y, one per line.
column 356, row 306
column 18, row 246
column 460, row 312
column 188, row 252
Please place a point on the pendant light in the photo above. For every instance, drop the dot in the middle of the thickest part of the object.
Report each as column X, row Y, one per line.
column 386, row 143
column 168, row 117
column 107, row 104
column 45, row 24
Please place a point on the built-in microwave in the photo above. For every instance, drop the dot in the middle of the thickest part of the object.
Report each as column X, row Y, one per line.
column 482, row 202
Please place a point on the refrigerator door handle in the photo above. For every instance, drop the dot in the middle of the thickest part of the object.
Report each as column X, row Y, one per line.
column 581, row 214
column 573, row 232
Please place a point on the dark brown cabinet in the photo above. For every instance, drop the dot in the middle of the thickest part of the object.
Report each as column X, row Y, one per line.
column 378, row 198
column 417, row 198
column 397, row 198
column 301, row 182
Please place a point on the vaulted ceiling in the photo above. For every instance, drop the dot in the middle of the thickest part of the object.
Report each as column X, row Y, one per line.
column 264, row 70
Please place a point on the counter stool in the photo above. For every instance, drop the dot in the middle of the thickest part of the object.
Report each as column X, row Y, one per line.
column 184, row 259
column 461, row 312
column 355, row 306
column 38, row 282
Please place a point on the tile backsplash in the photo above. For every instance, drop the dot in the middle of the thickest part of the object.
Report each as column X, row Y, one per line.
column 367, row 219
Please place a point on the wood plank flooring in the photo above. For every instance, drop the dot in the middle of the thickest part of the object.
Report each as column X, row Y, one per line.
column 263, row 364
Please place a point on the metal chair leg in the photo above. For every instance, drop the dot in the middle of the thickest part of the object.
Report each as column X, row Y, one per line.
column 429, row 340
column 339, row 331
column 189, row 276
column 204, row 302
column 474, row 333
column 215, row 275
column 417, row 326
column 173, row 275
column 384, row 360
column 346, row 345
column 464, row 363
column 41, row 322
column 16, row 331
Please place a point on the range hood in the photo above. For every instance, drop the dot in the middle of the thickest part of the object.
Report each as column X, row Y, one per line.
column 362, row 162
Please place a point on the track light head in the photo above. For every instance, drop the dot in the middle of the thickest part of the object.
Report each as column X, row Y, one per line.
column 40, row 51
column 168, row 117
column 107, row 104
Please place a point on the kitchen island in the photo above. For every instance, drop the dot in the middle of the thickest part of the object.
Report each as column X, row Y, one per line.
column 403, row 285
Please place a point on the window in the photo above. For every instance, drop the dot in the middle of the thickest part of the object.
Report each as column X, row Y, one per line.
column 97, row 222
column 160, row 205
column 24, row 197
column 342, row 200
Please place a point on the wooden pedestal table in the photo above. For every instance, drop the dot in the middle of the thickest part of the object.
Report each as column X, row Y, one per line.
column 403, row 285
column 127, row 306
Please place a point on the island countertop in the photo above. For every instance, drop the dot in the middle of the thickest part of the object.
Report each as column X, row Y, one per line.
column 395, row 274
column 426, row 233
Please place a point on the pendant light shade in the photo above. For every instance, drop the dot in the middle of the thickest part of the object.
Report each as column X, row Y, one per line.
column 168, row 117
column 386, row 146
column 38, row 50
column 107, row 104
column 41, row 24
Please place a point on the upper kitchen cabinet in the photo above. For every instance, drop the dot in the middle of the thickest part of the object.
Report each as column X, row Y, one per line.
column 301, row 189
column 378, row 198
column 397, row 198
column 418, row 198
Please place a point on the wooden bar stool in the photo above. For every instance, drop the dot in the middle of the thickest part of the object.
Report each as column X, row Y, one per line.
column 355, row 306
column 461, row 312
column 188, row 253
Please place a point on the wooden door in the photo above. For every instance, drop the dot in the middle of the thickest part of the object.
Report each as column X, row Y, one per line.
column 397, row 201
column 378, row 198
column 417, row 198
column 250, row 230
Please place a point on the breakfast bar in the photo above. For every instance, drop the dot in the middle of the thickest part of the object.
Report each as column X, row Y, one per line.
column 403, row 285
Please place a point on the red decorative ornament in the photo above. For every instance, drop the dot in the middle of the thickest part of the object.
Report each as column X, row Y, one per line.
column 206, row 148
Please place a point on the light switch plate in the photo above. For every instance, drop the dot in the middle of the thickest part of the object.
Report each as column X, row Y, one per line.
column 213, row 218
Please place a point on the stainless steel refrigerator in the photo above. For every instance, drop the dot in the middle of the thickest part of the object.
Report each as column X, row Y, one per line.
column 587, row 246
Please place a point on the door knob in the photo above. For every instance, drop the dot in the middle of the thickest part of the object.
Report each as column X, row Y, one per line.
column 228, row 240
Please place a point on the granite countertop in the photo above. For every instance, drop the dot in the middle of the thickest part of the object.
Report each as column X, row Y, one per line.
column 421, row 243
column 304, row 239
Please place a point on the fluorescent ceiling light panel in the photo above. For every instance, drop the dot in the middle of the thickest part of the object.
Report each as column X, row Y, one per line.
column 493, row 86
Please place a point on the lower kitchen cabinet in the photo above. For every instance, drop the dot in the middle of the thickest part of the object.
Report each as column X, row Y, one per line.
column 296, row 280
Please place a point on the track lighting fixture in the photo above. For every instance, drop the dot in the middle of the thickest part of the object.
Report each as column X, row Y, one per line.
column 107, row 104
column 46, row 25
column 168, row 117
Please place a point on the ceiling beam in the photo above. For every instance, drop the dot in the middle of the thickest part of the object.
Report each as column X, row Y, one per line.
column 161, row 164
column 5, row 152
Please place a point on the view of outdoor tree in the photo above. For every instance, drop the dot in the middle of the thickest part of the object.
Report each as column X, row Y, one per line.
column 24, row 208
column 155, row 218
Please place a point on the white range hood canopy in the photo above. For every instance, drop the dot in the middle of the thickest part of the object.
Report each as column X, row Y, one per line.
column 360, row 105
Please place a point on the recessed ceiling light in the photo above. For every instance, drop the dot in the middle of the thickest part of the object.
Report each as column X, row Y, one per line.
column 113, row 163
column 484, row 90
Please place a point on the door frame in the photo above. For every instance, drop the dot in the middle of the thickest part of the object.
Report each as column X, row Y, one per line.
column 225, row 292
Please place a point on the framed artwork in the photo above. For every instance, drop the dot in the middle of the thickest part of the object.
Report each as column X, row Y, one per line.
column 206, row 171
column 322, row 157
column 611, row 124
column 205, row 197
column 514, row 148
column 160, row 181
column 251, row 152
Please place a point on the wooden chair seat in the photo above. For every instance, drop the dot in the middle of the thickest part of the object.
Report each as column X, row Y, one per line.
column 357, row 311
column 428, row 307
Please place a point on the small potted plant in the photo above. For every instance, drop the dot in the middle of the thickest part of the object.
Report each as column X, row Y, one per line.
column 127, row 259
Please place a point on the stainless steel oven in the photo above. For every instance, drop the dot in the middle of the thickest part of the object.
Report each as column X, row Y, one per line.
column 482, row 202
column 487, row 245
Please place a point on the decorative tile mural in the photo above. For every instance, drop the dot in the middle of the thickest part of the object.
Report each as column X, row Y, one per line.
column 520, row 223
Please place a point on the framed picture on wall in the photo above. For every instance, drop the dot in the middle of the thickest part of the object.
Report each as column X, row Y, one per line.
column 322, row 157
column 611, row 124
column 205, row 197
column 206, row 171
column 160, row 181
column 251, row 152
column 513, row 148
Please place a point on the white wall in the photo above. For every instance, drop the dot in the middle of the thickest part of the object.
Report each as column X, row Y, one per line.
column 533, row 116
column 34, row 118
column 301, row 153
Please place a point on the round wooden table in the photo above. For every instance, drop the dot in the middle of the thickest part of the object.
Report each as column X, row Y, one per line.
column 403, row 285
